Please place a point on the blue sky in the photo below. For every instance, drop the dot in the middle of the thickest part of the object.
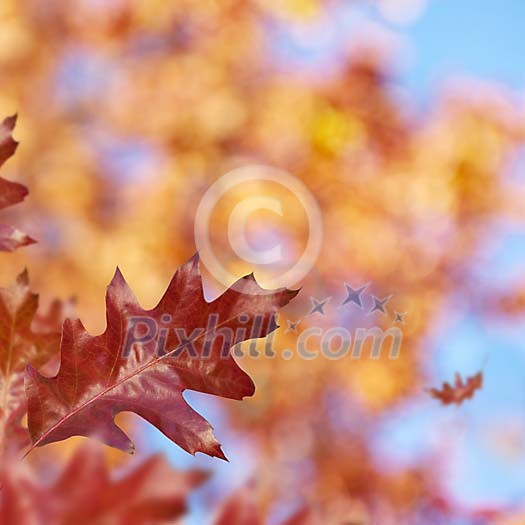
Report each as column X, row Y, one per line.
column 482, row 39
column 485, row 41
column 479, row 39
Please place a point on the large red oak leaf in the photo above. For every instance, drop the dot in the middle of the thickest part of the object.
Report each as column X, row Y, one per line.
column 85, row 493
column 10, row 192
column 25, row 337
column 99, row 377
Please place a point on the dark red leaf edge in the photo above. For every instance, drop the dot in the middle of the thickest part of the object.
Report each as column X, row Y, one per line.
column 10, row 192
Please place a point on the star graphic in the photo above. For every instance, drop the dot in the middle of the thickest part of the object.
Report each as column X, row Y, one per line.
column 354, row 295
column 292, row 326
column 399, row 318
column 379, row 304
column 318, row 306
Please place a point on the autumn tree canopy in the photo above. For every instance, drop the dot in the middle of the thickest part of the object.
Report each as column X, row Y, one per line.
column 128, row 112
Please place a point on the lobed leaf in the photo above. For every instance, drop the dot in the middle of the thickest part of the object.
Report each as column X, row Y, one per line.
column 99, row 378
column 19, row 345
column 10, row 192
column 459, row 391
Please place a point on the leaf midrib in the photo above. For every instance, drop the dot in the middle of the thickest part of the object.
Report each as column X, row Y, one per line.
column 112, row 387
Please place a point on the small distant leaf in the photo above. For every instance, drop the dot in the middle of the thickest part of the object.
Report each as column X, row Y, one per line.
column 459, row 391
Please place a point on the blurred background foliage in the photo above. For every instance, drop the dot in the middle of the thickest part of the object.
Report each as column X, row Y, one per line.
column 129, row 111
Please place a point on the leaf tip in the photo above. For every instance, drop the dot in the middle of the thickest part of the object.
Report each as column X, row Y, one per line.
column 23, row 278
column 220, row 454
column 10, row 122
column 117, row 276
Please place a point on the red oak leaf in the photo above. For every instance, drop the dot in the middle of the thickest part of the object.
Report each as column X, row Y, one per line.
column 20, row 345
column 460, row 391
column 103, row 375
column 10, row 192
column 240, row 509
column 85, row 493
column 339, row 512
